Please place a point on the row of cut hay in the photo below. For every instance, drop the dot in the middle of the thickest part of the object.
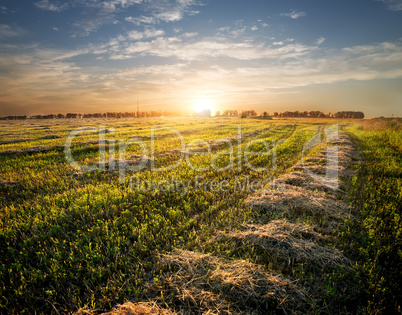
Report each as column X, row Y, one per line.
column 37, row 149
column 14, row 141
column 286, row 244
column 7, row 183
column 289, row 201
column 305, row 181
column 323, row 166
column 200, row 283
column 18, row 140
column 204, row 283
column 299, row 194
column 128, row 308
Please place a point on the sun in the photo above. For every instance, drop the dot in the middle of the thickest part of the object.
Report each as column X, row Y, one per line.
column 203, row 104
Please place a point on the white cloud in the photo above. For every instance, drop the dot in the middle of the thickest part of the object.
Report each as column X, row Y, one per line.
column 5, row 10
column 147, row 33
column 46, row 5
column 393, row 5
column 170, row 16
column 214, row 47
column 165, row 11
column 6, row 31
column 320, row 40
column 153, row 12
column 110, row 5
column 291, row 65
column 235, row 32
column 141, row 20
column 188, row 35
column 33, row 76
column 232, row 82
column 294, row 14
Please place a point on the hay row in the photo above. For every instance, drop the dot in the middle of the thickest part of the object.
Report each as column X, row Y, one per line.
column 201, row 283
column 206, row 283
column 287, row 243
column 8, row 183
column 305, row 181
column 47, row 137
column 14, row 141
column 323, row 166
column 38, row 149
column 293, row 200
column 128, row 308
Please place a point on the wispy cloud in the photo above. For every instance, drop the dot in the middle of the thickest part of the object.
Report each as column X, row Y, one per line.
column 393, row 5
column 294, row 14
column 202, row 49
column 232, row 31
column 320, row 40
column 46, row 77
column 153, row 12
column 147, row 33
column 98, row 12
column 141, row 20
column 165, row 11
column 6, row 31
column 188, row 35
column 5, row 10
column 48, row 6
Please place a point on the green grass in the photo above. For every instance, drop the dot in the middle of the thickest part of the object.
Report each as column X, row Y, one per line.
column 68, row 242
column 375, row 238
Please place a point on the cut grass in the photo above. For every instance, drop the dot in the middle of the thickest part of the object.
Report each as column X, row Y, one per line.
column 81, row 241
column 204, row 282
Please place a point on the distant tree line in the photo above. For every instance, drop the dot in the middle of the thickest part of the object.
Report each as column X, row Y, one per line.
column 97, row 115
column 225, row 113
column 319, row 114
column 312, row 114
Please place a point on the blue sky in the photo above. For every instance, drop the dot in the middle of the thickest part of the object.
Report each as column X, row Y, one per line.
column 267, row 55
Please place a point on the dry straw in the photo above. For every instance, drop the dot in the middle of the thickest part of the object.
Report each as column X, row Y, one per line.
column 128, row 308
column 292, row 202
column 207, row 283
column 200, row 283
column 288, row 242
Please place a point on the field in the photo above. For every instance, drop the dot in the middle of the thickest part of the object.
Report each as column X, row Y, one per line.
column 200, row 215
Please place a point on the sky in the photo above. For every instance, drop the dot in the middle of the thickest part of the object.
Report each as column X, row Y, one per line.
column 88, row 56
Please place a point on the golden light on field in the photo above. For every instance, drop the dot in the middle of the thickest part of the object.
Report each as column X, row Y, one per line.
column 203, row 104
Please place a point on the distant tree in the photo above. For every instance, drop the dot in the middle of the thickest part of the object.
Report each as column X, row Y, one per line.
column 71, row 115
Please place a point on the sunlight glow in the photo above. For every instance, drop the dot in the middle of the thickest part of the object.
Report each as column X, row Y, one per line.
column 203, row 104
